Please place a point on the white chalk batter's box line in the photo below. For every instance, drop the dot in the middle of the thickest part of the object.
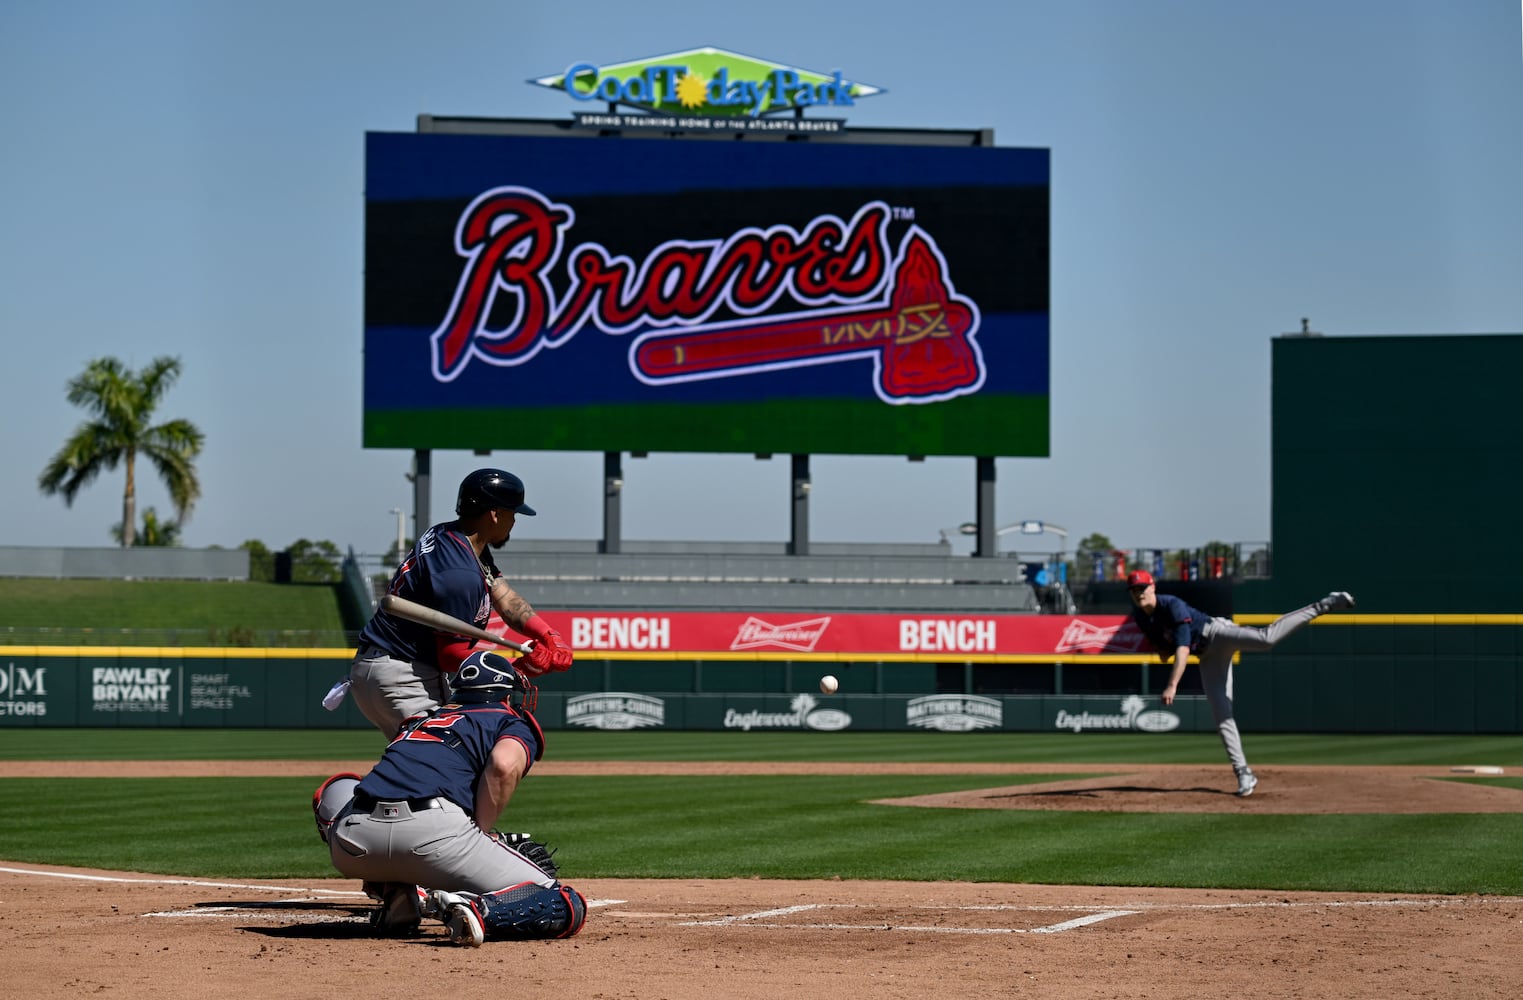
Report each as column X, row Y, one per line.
column 1092, row 914
column 762, row 919
column 274, row 911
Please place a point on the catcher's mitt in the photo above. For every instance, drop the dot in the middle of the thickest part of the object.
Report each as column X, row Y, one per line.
column 538, row 854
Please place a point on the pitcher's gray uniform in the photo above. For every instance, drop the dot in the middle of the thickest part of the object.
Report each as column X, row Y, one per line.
column 1176, row 630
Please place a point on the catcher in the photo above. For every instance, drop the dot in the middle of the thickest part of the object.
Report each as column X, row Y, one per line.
column 424, row 817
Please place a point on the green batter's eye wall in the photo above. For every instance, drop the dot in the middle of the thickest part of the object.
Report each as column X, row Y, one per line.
column 1397, row 464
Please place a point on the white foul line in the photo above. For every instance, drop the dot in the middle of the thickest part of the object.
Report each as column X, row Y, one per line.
column 182, row 881
column 216, row 911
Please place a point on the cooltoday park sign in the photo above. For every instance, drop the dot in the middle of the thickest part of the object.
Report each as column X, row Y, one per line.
column 707, row 89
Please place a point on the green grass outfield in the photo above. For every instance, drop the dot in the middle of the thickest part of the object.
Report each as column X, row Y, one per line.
column 141, row 612
column 784, row 826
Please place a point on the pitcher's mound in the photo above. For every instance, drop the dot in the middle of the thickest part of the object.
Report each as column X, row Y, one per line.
column 1281, row 789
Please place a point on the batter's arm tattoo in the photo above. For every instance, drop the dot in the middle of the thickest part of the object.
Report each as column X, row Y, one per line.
column 510, row 604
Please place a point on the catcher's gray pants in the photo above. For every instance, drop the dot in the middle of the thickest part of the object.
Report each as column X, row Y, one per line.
column 427, row 842
column 1224, row 638
column 388, row 690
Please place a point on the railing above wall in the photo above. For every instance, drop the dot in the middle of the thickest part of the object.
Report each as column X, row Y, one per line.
column 138, row 563
column 758, row 575
column 742, row 562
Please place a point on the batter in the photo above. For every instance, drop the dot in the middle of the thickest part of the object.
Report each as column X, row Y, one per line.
column 401, row 667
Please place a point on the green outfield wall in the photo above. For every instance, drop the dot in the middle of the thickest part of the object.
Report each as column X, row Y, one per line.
column 1355, row 673
column 1387, row 674
column 1396, row 466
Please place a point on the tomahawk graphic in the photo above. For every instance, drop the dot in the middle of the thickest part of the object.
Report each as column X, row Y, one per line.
column 921, row 340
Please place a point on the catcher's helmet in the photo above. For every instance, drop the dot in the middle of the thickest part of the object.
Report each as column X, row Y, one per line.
column 488, row 488
column 486, row 677
column 330, row 797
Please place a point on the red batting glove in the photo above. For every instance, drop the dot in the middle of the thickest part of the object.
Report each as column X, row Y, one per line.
column 525, row 664
column 551, row 651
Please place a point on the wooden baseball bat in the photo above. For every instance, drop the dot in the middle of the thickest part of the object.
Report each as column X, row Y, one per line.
column 433, row 618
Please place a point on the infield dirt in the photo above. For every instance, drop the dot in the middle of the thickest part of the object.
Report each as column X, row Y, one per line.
column 139, row 936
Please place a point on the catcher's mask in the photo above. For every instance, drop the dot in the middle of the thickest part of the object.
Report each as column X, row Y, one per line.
column 486, row 677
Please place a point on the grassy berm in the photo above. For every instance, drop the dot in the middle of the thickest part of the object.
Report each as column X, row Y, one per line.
column 170, row 613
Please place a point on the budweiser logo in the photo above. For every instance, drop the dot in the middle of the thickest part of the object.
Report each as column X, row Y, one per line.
column 1083, row 637
column 797, row 636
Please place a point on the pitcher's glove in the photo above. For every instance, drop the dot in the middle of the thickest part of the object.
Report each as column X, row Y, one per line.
column 538, row 855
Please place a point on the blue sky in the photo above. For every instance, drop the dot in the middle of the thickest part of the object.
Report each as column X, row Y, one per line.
column 188, row 179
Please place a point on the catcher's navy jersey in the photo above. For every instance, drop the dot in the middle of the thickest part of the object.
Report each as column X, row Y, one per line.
column 446, row 753
column 441, row 572
column 1172, row 624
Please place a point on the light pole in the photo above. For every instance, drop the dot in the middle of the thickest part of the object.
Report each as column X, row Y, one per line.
column 1060, row 582
column 965, row 528
column 401, row 534
column 1039, row 528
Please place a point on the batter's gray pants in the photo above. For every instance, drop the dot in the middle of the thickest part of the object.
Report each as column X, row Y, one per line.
column 388, row 690
column 1225, row 638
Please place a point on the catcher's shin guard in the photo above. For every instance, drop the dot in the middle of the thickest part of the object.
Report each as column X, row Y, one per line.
column 528, row 910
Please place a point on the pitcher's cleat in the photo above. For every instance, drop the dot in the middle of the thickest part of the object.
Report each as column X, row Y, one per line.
column 1246, row 781
column 1338, row 600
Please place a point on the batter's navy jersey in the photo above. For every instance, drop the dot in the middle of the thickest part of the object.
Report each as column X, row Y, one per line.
column 446, row 753
column 441, row 572
column 1172, row 624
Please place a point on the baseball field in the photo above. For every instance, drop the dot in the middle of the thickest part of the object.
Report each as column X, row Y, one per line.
column 163, row 863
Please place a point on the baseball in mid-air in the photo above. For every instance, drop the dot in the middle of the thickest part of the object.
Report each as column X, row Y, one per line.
column 828, row 684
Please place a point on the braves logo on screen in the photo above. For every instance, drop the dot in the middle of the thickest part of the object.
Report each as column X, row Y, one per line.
column 858, row 297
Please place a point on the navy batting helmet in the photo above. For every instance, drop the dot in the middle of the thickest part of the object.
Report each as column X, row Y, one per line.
column 488, row 488
column 486, row 677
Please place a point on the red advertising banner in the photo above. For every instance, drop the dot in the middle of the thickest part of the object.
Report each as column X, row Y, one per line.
column 773, row 635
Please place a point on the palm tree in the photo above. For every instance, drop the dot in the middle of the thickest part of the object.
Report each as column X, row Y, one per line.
column 155, row 533
column 123, row 402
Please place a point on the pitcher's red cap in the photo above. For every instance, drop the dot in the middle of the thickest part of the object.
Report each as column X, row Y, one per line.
column 1139, row 578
